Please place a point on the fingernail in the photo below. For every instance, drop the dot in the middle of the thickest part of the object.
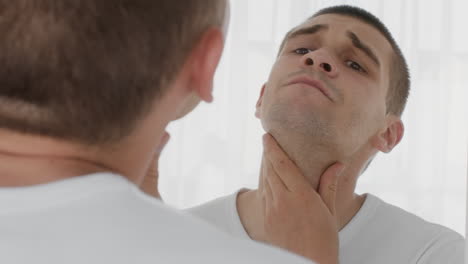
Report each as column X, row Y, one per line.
column 166, row 136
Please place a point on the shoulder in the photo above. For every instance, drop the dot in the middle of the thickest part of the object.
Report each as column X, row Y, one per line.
column 104, row 218
column 394, row 217
column 221, row 212
column 201, row 242
column 148, row 228
column 213, row 208
column 410, row 233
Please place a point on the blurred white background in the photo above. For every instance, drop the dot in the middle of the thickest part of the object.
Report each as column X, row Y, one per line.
column 216, row 149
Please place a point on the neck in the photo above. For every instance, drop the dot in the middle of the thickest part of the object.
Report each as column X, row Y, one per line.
column 347, row 204
column 31, row 159
column 249, row 208
column 312, row 158
column 28, row 160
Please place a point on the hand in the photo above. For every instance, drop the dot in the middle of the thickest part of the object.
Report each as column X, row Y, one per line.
column 150, row 181
column 297, row 218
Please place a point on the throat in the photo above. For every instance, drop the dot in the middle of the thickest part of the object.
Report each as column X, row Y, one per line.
column 311, row 157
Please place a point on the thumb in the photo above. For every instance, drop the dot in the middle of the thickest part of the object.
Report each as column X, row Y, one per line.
column 149, row 183
column 164, row 139
column 329, row 184
column 153, row 169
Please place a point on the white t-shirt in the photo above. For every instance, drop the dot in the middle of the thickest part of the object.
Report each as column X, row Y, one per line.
column 379, row 233
column 104, row 218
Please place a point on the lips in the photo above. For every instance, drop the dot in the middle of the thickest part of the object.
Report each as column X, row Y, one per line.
column 312, row 83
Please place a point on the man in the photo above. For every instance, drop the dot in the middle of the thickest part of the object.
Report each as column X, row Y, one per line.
column 86, row 91
column 336, row 93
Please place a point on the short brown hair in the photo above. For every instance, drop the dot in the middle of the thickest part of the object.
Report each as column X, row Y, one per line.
column 399, row 85
column 88, row 70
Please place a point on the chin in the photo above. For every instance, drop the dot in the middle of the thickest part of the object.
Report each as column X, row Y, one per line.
column 284, row 121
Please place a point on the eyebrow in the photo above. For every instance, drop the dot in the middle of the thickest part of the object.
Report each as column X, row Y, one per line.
column 357, row 43
column 363, row 47
column 308, row 30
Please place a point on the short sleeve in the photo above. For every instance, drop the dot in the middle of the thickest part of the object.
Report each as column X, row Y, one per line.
column 450, row 250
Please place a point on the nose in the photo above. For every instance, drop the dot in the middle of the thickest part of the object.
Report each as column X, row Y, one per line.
column 321, row 61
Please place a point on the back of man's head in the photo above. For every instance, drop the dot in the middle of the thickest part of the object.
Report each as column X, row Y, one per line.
column 87, row 70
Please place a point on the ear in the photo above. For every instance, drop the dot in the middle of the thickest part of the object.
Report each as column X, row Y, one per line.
column 258, row 112
column 204, row 60
column 386, row 140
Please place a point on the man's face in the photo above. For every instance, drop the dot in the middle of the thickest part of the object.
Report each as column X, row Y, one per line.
column 329, row 83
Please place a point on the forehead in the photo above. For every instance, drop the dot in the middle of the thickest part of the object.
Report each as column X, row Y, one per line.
column 339, row 25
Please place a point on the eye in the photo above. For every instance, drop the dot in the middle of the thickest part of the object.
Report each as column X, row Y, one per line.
column 302, row 51
column 355, row 66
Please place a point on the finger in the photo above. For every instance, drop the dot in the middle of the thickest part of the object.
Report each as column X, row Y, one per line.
column 269, row 198
column 163, row 142
column 149, row 183
column 273, row 180
column 289, row 173
column 329, row 184
column 266, row 186
column 265, row 191
column 261, row 181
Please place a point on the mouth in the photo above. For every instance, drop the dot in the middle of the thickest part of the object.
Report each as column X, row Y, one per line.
column 313, row 84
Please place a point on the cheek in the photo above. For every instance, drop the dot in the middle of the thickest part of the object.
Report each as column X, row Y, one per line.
column 273, row 79
column 359, row 121
column 376, row 107
column 281, row 69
